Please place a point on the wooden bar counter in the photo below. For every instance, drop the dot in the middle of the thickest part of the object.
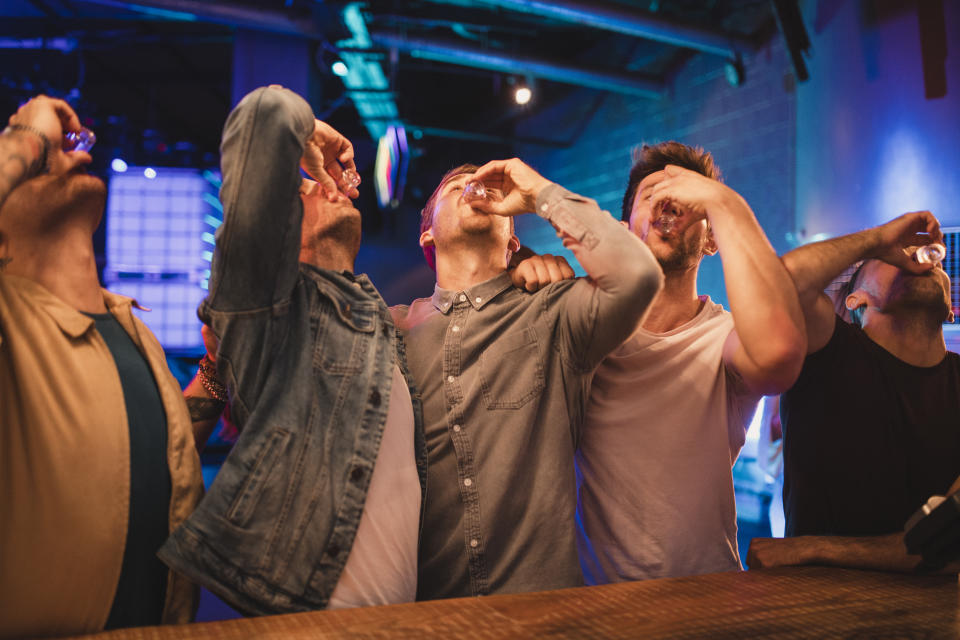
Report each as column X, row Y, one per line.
column 792, row 602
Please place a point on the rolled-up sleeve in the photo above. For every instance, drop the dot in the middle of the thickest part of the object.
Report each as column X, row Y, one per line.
column 624, row 277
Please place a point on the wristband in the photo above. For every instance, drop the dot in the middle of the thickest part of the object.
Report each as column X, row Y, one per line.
column 208, row 379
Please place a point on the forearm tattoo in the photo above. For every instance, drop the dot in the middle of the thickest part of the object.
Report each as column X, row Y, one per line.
column 16, row 163
column 202, row 409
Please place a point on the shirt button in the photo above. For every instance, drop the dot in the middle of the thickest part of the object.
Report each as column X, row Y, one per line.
column 467, row 482
column 455, row 328
column 478, row 300
column 450, row 378
column 463, row 298
column 474, row 543
column 456, row 428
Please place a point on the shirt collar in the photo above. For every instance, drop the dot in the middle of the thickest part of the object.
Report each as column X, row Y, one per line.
column 71, row 322
column 478, row 295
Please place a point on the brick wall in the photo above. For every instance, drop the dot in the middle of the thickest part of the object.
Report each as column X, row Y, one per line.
column 749, row 129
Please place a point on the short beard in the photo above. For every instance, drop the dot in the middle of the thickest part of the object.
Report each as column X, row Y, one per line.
column 923, row 294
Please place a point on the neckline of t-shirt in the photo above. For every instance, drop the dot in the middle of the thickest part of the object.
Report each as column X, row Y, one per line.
column 98, row 316
column 707, row 309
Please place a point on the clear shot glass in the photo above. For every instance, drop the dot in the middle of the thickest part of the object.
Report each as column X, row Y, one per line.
column 349, row 179
column 82, row 140
column 931, row 253
column 473, row 191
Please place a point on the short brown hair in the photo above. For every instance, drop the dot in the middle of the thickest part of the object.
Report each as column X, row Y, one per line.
column 649, row 159
column 426, row 214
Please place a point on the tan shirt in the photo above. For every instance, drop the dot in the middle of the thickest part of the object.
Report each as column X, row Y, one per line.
column 65, row 463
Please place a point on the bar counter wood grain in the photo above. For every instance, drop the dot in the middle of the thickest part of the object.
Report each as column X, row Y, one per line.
column 792, row 602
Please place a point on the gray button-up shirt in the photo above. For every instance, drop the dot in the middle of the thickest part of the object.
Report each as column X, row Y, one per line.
column 504, row 376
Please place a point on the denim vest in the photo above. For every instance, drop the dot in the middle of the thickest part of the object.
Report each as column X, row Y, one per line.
column 308, row 357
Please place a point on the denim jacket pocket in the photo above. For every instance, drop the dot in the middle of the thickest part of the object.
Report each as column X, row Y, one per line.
column 245, row 503
column 341, row 333
column 511, row 370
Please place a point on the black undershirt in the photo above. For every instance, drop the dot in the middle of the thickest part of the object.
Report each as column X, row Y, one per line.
column 141, row 590
column 867, row 437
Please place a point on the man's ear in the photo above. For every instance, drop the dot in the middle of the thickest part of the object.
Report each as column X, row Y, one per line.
column 426, row 238
column 855, row 300
column 710, row 245
column 513, row 246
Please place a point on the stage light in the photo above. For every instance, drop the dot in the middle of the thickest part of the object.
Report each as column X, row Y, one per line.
column 522, row 95
column 118, row 165
column 339, row 69
column 149, row 173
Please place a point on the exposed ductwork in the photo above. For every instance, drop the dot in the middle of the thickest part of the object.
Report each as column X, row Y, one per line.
column 216, row 13
column 458, row 53
column 614, row 18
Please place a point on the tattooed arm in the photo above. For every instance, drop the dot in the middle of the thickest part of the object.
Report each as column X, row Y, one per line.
column 206, row 402
column 24, row 145
column 205, row 411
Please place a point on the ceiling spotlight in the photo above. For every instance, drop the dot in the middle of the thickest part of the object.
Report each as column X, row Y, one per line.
column 150, row 173
column 522, row 95
column 118, row 165
column 339, row 68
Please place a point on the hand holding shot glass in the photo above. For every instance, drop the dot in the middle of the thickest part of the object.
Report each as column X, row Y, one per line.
column 508, row 188
column 328, row 159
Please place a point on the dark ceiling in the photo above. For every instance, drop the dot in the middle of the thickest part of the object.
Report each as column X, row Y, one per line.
column 153, row 77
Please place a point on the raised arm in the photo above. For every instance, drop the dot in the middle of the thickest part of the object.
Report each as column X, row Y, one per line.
column 815, row 265
column 266, row 138
column 25, row 143
column 768, row 343
column 624, row 275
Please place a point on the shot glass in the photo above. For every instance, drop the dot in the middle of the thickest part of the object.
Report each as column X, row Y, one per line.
column 474, row 190
column 931, row 253
column 82, row 140
column 349, row 179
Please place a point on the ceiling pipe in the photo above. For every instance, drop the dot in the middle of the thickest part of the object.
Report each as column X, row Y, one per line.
column 613, row 18
column 217, row 13
column 460, row 54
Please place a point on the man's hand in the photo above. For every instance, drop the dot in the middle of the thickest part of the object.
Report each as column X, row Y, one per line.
column 50, row 116
column 536, row 272
column 909, row 230
column 518, row 183
column 325, row 156
column 765, row 553
column 692, row 192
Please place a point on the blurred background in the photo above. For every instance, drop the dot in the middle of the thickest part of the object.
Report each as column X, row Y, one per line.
column 828, row 116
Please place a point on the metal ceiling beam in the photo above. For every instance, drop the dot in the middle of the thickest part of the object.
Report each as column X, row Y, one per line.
column 217, row 13
column 614, row 18
column 458, row 53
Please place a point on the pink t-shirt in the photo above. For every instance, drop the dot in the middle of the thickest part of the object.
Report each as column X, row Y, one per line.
column 664, row 425
column 382, row 567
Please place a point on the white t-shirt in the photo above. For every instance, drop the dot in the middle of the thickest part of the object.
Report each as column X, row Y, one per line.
column 382, row 566
column 664, row 425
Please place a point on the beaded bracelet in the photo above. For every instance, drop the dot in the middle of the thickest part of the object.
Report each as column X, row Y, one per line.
column 208, row 378
column 41, row 163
